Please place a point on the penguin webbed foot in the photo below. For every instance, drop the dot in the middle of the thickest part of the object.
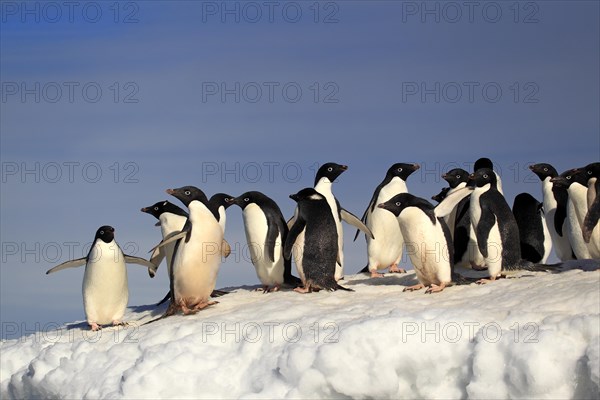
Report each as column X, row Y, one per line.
column 484, row 281
column 433, row 288
column 119, row 323
column 395, row 270
column 375, row 274
column 94, row 326
column 413, row 288
column 302, row 289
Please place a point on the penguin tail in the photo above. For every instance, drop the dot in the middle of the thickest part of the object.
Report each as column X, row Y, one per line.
column 365, row 270
column 529, row 266
column 218, row 293
column 340, row 287
column 458, row 279
column 167, row 297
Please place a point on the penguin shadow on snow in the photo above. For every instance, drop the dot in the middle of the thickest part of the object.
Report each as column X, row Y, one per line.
column 391, row 280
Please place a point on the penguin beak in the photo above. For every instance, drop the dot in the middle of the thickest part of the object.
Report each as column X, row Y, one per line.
column 344, row 167
column 230, row 200
column 472, row 177
column 294, row 197
column 145, row 209
column 444, row 176
column 416, row 166
column 532, row 167
column 170, row 191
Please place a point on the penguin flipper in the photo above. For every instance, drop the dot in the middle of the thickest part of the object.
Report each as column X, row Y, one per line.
column 157, row 224
column 272, row 233
column 591, row 219
column 353, row 220
column 290, row 222
column 295, row 230
column 451, row 201
column 486, row 222
column 140, row 261
column 68, row 264
column 225, row 248
column 170, row 238
column 156, row 258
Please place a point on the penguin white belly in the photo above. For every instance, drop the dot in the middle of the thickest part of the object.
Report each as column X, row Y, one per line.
column 561, row 244
column 324, row 188
column 576, row 209
column 105, row 292
column 197, row 262
column 256, row 228
column 427, row 247
column 297, row 253
column 547, row 239
column 494, row 249
column 169, row 224
column 386, row 248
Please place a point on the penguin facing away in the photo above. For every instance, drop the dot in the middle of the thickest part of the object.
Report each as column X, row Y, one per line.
column 534, row 236
column 105, row 291
column 496, row 228
column 197, row 254
column 266, row 233
column 555, row 200
column 429, row 238
column 385, row 248
column 316, row 250
column 575, row 180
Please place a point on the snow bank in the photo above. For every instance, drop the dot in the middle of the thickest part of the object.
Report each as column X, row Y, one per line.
column 537, row 336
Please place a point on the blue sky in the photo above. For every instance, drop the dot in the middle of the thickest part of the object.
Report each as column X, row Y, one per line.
column 347, row 79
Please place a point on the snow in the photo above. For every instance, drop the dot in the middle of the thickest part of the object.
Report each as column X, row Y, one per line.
column 533, row 336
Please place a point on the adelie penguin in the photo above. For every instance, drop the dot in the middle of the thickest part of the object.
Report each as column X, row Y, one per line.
column 105, row 291
column 485, row 162
column 555, row 198
column 266, row 233
column 428, row 238
column 536, row 243
column 197, row 254
column 313, row 242
column 385, row 248
column 591, row 228
column 324, row 179
column 575, row 181
column 171, row 219
column 496, row 228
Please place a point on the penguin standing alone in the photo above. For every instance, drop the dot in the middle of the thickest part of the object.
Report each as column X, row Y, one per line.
column 105, row 291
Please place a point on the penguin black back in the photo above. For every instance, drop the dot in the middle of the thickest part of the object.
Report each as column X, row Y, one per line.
column 527, row 212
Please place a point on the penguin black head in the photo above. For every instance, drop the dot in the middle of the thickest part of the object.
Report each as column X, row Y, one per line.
column 248, row 198
column 484, row 176
column 402, row 170
column 221, row 199
column 455, row 177
column 592, row 170
column 187, row 194
column 543, row 170
column 401, row 201
column 106, row 233
column 483, row 163
column 567, row 178
column 307, row 194
column 163, row 207
column 441, row 195
column 330, row 171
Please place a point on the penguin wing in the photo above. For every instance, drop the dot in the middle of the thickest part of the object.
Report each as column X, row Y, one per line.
column 156, row 258
column 296, row 229
column 68, row 264
column 157, row 224
column 172, row 237
column 591, row 219
column 291, row 221
column 140, row 261
column 451, row 201
column 561, row 197
column 370, row 207
column 274, row 228
column 353, row 220
column 486, row 222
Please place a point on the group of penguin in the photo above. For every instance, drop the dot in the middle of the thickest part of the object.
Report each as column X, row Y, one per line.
column 471, row 226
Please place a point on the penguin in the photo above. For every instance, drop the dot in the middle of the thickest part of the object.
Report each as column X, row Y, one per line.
column 466, row 252
column 171, row 218
column 487, row 163
column 105, row 292
column 554, row 203
column 429, row 238
column 217, row 204
column 534, row 236
column 266, row 233
column 590, row 227
column 575, row 181
column 316, row 250
column 324, row 178
column 197, row 254
column 495, row 227
column 385, row 249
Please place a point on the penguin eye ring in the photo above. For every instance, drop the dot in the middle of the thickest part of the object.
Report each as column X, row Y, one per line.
column 485, row 176
column 156, row 208
column 398, row 203
column 329, row 169
column 246, row 199
column 102, row 232
column 399, row 169
column 187, row 192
